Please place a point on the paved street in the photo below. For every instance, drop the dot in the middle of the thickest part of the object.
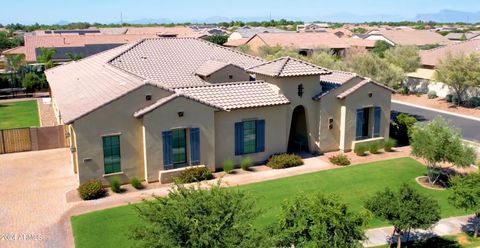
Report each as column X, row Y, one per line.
column 470, row 128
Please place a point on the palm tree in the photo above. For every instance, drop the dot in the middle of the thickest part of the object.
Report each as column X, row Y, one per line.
column 46, row 57
column 74, row 56
column 12, row 64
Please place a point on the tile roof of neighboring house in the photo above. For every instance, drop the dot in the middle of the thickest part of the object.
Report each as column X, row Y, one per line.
column 15, row 50
column 458, row 36
column 355, row 42
column 174, row 61
column 337, row 77
column 249, row 32
column 322, row 40
column 287, row 67
column 360, row 85
column 414, row 37
column 236, row 43
column 179, row 31
column 422, row 73
column 237, row 95
column 211, row 66
column 82, row 86
column 432, row 56
column 34, row 42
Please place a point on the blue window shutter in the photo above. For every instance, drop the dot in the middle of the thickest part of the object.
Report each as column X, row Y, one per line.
column 238, row 138
column 260, row 137
column 359, row 124
column 167, row 150
column 194, row 146
column 377, row 121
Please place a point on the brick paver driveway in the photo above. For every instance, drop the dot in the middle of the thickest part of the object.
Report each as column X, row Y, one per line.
column 32, row 198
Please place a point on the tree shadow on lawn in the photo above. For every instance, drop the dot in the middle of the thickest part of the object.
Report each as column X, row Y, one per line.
column 424, row 240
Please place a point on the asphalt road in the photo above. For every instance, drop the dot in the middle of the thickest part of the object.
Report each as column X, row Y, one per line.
column 469, row 128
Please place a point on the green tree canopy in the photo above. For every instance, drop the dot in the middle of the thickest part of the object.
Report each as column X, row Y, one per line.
column 466, row 195
column 46, row 57
column 380, row 47
column 460, row 72
column 74, row 56
column 194, row 217
column 318, row 221
column 218, row 39
column 436, row 142
column 32, row 81
column 405, row 209
column 405, row 57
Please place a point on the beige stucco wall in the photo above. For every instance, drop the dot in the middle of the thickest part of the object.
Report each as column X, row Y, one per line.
column 289, row 87
column 114, row 118
column 255, row 43
column 360, row 99
column 275, row 132
column 165, row 118
column 222, row 75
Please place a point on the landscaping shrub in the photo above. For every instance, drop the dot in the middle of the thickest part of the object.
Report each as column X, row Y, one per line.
column 136, row 183
column 374, row 146
column 284, row 160
column 473, row 102
column 195, row 174
column 115, row 185
column 246, row 163
column 340, row 159
column 92, row 189
column 432, row 94
column 455, row 100
column 228, row 166
column 404, row 91
column 388, row 144
column 448, row 98
column 360, row 149
column 418, row 94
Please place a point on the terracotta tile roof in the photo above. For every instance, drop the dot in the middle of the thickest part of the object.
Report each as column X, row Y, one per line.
column 33, row 42
column 414, row 37
column 360, row 85
column 82, row 86
column 355, row 42
column 15, row 50
column 237, row 95
column 174, row 61
column 287, row 67
column 431, row 57
column 210, row 67
column 337, row 77
column 321, row 40
column 236, row 43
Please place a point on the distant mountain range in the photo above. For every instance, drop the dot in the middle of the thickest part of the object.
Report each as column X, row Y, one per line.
column 450, row 16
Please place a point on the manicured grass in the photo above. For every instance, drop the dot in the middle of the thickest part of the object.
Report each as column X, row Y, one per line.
column 110, row 228
column 19, row 114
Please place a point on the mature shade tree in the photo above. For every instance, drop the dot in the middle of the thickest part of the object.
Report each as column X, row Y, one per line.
column 46, row 57
column 460, row 72
column 405, row 57
column 318, row 221
column 466, row 195
column 405, row 209
column 380, row 47
column 218, row 39
column 436, row 142
column 195, row 217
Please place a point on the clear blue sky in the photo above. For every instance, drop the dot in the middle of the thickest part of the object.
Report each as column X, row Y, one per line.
column 107, row 11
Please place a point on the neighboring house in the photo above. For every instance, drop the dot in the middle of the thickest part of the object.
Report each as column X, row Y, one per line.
column 248, row 32
column 408, row 37
column 307, row 43
column 458, row 37
column 312, row 27
column 152, row 108
column 235, row 43
column 423, row 79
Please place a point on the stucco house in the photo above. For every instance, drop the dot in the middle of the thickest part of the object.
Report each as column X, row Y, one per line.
column 157, row 106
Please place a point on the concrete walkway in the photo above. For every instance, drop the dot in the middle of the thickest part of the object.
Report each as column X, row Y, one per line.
column 448, row 226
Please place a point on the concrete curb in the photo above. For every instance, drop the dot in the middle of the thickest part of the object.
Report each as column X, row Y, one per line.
column 436, row 110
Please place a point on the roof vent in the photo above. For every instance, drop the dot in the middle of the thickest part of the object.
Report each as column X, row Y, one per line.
column 144, row 57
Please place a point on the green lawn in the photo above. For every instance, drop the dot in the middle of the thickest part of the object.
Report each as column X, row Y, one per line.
column 110, row 227
column 19, row 114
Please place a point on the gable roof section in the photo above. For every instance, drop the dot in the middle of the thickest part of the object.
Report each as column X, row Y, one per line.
column 337, row 77
column 212, row 66
column 237, row 95
column 174, row 61
column 317, row 40
column 431, row 57
column 414, row 37
column 287, row 67
column 83, row 86
column 359, row 85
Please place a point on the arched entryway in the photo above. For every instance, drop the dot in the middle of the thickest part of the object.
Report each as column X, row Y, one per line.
column 298, row 138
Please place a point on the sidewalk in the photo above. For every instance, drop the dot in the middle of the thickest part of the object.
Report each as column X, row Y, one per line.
column 448, row 226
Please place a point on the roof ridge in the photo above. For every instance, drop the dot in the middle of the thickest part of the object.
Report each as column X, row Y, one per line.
column 226, row 48
column 287, row 58
column 221, row 84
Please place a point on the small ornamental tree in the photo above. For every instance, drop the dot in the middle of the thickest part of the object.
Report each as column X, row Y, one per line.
column 436, row 142
column 318, row 221
column 466, row 195
column 196, row 217
column 405, row 209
